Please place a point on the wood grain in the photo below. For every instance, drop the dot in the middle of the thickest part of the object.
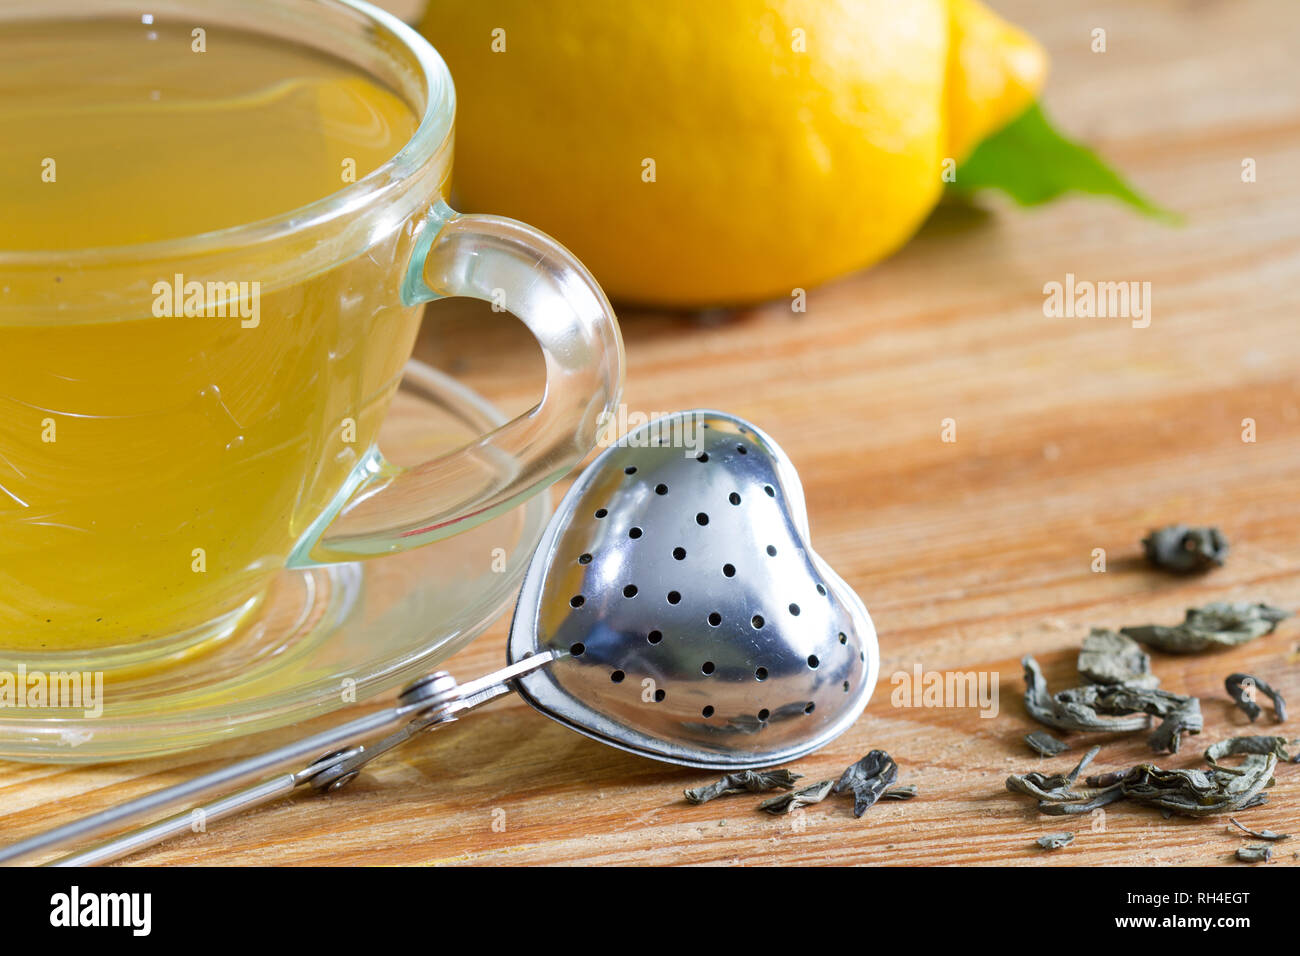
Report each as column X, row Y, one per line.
column 1072, row 434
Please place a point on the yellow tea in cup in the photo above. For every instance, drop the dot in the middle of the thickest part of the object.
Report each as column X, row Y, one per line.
column 159, row 461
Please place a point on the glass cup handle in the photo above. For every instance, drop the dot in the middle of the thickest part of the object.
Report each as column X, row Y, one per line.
column 526, row 272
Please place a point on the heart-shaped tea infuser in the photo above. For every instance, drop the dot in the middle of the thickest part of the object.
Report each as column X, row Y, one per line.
column 674, row 608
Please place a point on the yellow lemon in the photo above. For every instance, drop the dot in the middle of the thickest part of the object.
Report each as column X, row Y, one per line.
column 696, row 154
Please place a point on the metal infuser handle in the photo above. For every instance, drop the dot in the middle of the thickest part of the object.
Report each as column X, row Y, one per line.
column 428, row 702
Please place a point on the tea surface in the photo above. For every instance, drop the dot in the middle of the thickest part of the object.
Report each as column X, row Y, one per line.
column 118, row 132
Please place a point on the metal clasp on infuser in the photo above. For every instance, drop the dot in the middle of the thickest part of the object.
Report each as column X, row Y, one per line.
column 433, row 693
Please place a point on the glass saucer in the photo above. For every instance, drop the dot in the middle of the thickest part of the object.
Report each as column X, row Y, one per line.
column 323, row 638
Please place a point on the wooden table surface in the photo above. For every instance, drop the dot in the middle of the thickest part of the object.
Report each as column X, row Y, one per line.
column 1072, row 435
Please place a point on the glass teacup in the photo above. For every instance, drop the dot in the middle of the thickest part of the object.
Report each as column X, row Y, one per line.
column 189, row 402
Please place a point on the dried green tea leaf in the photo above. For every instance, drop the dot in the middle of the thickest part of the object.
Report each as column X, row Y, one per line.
column 1259, row 834
column 1079, row 767
column 794, row 799
column 1200, row 792
column 868, row 779
column 905, row 792
column 1219, row 624
column 1054, row 841
column 1243, row 687
column 1185, row 550
column 1089, row 801
column 1086, row 708
column 747, row 781
column 1255, row 854
column 1108, row 657
column 1263, row 746
column 1189, row 792
column 1066, row 714
column 1045, row 745
column 1185, row 719
column 1081, row 800
column 1056, row 790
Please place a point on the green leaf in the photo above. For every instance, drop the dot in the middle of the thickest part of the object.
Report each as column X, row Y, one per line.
column 1033, row 163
